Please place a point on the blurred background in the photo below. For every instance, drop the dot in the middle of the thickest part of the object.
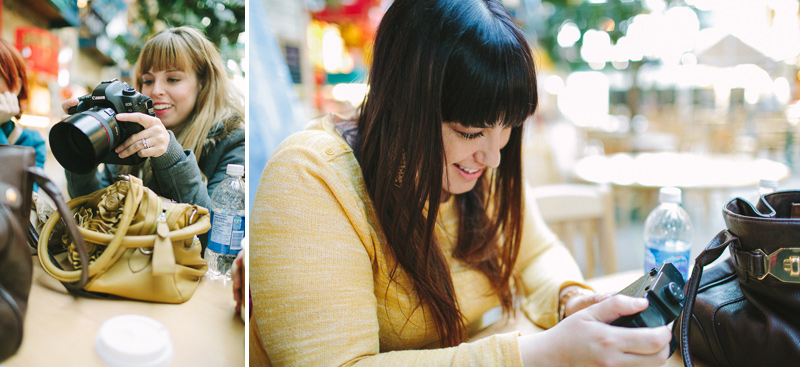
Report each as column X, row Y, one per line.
column 635, row 95
column 70, row 46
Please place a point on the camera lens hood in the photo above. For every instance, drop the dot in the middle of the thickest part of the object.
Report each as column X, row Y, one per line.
column 81, row 141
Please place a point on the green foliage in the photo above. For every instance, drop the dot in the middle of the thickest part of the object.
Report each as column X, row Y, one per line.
column 586, row 16
column 222, row 21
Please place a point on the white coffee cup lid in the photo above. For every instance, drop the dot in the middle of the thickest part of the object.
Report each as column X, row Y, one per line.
column 134, row 340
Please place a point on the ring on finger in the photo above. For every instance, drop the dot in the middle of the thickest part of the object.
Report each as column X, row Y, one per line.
column 144, row 142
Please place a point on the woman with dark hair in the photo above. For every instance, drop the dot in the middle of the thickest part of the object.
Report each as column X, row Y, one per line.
column 396, row 231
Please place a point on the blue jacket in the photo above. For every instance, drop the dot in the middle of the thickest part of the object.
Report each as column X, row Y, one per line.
column 29, row 138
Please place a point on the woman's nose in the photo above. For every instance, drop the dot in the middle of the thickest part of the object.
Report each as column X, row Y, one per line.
column 489, row 154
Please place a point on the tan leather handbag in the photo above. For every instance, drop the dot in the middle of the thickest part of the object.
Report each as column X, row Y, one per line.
column 140, row 246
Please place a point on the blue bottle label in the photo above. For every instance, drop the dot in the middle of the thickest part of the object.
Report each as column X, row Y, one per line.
column 654, row 257
column 227, row 231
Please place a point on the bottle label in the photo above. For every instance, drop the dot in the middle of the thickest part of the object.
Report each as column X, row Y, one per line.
column 654, row 257
column 227, row 231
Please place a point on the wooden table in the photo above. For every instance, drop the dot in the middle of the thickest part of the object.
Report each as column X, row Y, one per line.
column 60, row 329
column 605, row 284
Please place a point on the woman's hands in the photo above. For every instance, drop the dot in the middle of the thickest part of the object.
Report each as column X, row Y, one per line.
column 150, row 142
column 585, row 339
column 583, row 299
column 9, row 106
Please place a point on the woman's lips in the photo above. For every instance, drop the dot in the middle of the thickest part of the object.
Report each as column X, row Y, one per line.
column 469, row 173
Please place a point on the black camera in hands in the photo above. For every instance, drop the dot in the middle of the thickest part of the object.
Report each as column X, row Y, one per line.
column 90, row 134
column 663, row 288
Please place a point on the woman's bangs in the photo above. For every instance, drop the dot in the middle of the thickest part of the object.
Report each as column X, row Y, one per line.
column 486, row 91
column 166, row 54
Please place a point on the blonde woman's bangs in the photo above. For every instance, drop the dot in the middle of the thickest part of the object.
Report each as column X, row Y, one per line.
column 168, row 52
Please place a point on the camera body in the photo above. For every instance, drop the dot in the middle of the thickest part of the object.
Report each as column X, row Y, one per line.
column 663, row 288
column 90, row 134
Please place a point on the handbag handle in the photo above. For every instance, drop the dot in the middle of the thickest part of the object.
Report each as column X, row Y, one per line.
column 712, row 252
column 52, row 190
column 109, row 256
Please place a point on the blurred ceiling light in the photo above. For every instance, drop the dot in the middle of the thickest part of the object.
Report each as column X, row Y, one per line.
column 782, row 90
column 655, row 5
column 793, row 113
column 63, row 78
column 607, row 24
column 332, row 49
column 34, row 121
column 596, row 1
column 596, row 47
column 350, row 92
column 82, row 3
column 65, row 55
column 553, row 84
column 689, row 59
column 620, row 65
column 585, row 98
column 568, row 34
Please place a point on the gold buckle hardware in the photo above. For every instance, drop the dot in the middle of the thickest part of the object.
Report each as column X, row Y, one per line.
column 783, row 264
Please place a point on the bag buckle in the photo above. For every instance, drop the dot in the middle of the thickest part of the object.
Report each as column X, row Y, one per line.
column 783, row 264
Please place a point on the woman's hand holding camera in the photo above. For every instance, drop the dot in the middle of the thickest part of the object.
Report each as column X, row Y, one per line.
column 150, row 142
column 586, row 339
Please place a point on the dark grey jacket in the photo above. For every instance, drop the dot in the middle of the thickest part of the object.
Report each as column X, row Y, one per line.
column 176, row 174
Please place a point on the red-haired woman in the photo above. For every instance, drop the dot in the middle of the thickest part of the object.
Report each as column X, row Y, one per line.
column 13, row 91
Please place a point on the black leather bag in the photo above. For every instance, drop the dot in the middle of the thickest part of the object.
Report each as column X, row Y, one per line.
column 17, row 175
column 745, row 310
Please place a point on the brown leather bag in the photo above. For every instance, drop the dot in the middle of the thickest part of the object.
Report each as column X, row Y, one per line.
column 745, row 311
column 17, row 176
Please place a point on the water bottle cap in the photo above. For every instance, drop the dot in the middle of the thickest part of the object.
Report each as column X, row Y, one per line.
column 235, row 170
column 669, row 195
column 768, row 183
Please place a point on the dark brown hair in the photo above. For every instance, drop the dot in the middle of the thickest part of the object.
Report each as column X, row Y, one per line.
column 13, row 70
column 457, row 61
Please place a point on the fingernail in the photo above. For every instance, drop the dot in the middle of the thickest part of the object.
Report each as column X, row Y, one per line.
column 640, row 302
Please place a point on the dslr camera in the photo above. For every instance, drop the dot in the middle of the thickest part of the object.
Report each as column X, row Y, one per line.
column 90, row 134
column 663, row 288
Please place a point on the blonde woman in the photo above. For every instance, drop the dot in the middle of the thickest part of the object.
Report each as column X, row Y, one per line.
column 199, row 125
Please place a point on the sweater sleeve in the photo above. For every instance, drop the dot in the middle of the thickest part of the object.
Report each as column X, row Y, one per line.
column 178, row 176
column 546, row 267
column 312, row 279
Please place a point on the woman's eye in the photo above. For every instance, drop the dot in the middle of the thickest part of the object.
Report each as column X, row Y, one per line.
column 147, row 82
column 469, row 136
column 173, row 80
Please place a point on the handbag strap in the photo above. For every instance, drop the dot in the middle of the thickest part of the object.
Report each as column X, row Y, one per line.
column 109, row 256
column 712, row 252
column 49, row 187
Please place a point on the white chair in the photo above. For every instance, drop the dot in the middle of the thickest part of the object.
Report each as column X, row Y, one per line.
column 581, row 213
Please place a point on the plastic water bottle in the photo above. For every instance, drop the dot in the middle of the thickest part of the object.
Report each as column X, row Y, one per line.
column 227, row 222
column 767, row 186
column 668, row 233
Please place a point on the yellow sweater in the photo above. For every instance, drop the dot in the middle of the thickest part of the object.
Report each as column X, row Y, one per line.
column 320, row 270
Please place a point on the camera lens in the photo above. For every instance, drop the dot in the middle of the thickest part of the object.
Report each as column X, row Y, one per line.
column 81, row 141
